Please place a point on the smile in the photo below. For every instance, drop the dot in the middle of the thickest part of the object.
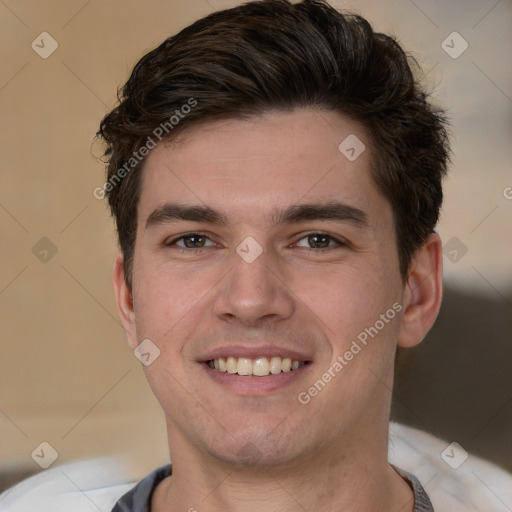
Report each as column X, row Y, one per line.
column 260, row 366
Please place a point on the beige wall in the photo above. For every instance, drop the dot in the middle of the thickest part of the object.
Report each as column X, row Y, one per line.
column 66, row 374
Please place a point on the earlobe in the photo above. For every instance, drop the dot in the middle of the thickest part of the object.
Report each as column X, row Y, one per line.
column 124, row 301
column 423, row 292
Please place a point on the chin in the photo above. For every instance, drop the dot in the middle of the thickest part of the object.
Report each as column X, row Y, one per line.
column 252, row 455
column 257, row 447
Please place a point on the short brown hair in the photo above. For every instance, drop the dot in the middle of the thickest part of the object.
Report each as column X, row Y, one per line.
column 273, row 55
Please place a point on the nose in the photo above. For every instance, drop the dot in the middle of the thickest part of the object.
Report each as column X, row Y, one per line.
column 254, row 293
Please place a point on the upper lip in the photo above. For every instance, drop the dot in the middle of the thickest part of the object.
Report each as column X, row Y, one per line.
column 253, row 352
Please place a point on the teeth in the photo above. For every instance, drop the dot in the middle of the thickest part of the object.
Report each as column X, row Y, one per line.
column 275, row 365
column 261, row 366
column 244, row 366
column 231, row 365
column 286, row 364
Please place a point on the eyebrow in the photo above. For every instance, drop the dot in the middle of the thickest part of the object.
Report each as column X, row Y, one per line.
column 332, row 210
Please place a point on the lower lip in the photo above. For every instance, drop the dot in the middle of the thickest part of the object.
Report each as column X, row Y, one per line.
column 252, row 384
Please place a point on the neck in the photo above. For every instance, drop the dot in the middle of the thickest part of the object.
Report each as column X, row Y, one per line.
column 356, row 480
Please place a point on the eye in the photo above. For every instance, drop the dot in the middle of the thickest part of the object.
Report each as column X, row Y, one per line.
column 191, row 241
column 319, row 241
column 198, row 241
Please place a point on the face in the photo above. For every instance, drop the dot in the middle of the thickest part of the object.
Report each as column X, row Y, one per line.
column 260, row 241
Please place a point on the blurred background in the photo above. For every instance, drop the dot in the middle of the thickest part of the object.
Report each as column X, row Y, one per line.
column 67, row 376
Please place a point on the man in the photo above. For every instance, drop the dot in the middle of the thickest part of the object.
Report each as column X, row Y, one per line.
column 275, row 176
column 277, row 245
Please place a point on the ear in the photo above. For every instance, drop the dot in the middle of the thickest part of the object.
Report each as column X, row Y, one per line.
column 423, row 292
column 124, row 301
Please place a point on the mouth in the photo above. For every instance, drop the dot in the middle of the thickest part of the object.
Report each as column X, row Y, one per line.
column 258, row 367
column 250, row 370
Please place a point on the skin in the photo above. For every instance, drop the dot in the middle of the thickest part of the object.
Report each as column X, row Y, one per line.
column 330, row 454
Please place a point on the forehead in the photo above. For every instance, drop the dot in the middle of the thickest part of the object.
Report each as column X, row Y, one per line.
column 252, row 167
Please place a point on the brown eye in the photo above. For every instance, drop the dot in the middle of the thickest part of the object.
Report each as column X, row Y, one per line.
column 319, row 241
column 191, row 241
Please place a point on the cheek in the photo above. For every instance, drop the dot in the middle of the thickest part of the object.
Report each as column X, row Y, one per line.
column 363, row 341
column 350, row 305
column 348, row 299
column 165, row 300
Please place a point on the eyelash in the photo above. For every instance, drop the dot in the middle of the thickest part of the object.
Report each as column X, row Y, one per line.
column 331, row 238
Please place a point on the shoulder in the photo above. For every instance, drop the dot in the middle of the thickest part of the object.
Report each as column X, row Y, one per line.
column 84, row 486
column 453, row 479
